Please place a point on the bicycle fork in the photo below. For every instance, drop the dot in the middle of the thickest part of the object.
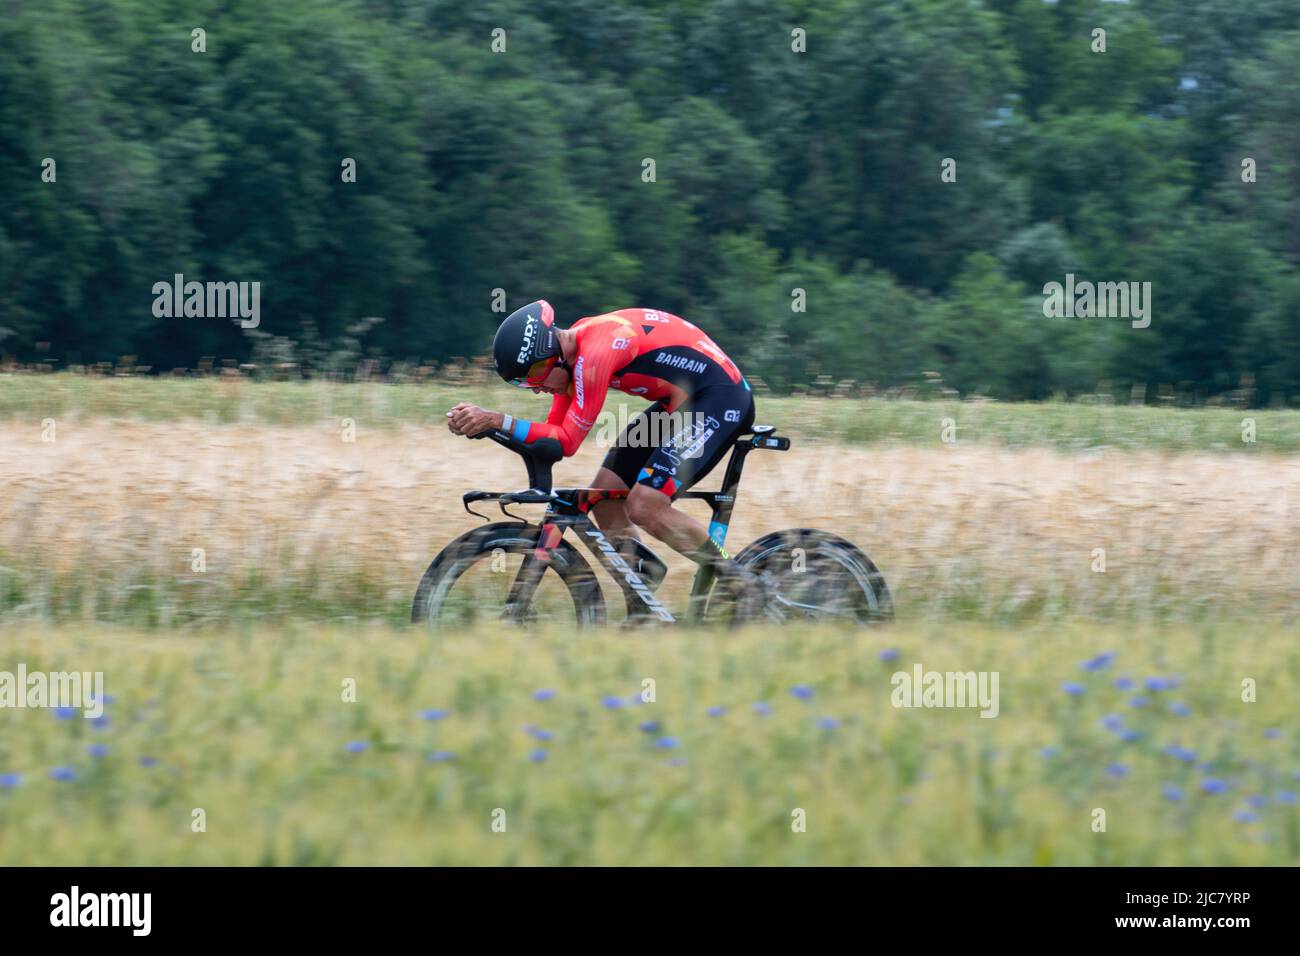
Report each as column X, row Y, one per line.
column 524, row 586
column 635, row 590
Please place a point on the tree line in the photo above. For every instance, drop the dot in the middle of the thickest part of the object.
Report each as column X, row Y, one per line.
column 848, row 189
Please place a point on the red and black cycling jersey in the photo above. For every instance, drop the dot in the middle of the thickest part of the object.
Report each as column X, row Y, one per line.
column 644, row 352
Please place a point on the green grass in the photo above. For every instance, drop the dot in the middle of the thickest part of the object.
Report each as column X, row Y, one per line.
column 249, row 726
column 1065, row 426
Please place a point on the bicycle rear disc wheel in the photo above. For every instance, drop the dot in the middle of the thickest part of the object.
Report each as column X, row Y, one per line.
column 817, row 576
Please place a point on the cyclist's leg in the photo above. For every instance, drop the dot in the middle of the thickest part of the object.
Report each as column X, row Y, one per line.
column 618, row 472
column 653, row 511
column 715, row 417
column 610, row 515
column 709, row 423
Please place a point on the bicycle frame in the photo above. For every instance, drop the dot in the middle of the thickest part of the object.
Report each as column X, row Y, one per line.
column 568, row 508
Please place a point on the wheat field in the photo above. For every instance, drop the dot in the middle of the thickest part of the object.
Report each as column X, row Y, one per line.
column 102, row 523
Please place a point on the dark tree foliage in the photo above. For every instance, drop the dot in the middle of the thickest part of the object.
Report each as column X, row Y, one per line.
column 797, row 209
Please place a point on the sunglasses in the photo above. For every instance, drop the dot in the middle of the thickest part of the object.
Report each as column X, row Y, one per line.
column 538, row 371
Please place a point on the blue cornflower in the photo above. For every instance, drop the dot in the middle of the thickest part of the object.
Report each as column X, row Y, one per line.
column 356, row 746
column 827, row 723
column 611, row 702
column 537, row 756
column 1138, row 702
column 1245, row 816
column 1117, row 770
column 539, row 734
column 434, row 713
column 1123, row 683
column 762, row 708
column 1179, row 709
column 148, row 761
column 1285, row 796
column 1100, row 662
column 101, row 723
column 667, row 743
column 1170, row 792
column 716, row 711
column 97, row 750
column 1072, row 688
column 1272, row 733
column 1180, row 753
column 1130, row 735
column 10, row 780
column 649, row 726
column 1257, row 800
column 888, row 654
column 442, row 756
column 1213, row 785
column 1049, row 752
column 1156, row 684
column 63, row 773
column 544, row 693
column 802, row 691
column 64, row 713
column 1113, row 722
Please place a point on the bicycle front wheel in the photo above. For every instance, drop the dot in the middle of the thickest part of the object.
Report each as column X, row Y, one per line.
column 475, row 580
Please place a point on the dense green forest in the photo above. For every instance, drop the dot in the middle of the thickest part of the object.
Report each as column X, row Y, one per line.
column 798, row 153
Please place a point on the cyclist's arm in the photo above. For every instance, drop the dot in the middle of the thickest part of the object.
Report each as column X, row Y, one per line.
column 559, row 408
column 577, row 414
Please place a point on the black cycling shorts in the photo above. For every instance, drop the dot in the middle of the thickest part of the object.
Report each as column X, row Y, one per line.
column 671, row 451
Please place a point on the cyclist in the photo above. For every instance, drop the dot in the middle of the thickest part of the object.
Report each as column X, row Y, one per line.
column 699, row 403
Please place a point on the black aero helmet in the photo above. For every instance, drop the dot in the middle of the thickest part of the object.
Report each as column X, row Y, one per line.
column 526, row 337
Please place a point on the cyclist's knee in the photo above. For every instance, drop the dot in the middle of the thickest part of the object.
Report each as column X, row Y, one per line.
column 645, row 505
column 611, row 515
